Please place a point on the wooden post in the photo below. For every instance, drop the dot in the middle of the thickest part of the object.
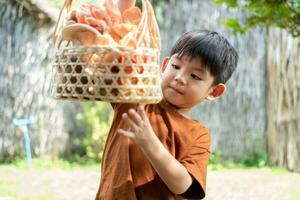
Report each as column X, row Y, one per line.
column 283, row 99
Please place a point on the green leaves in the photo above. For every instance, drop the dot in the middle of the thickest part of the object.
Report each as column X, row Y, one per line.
column 277, row 13
column 234, row 24
column 97, row 118
column 229, row 3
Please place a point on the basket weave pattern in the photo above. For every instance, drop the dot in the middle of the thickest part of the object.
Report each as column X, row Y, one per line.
column 78, row 76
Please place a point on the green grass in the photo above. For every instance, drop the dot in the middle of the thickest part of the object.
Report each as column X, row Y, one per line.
column 46, row 163
column 43, row 197
column 11, row 189
column 279, row 170
column 257, row 160
column 6, row 192
column 7, row 188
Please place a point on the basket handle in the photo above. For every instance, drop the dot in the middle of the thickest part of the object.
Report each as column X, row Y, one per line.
column 154, row 29
column 147, row 33
column 61, row 20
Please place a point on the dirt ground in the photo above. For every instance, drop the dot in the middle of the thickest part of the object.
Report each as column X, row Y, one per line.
column 82, row 184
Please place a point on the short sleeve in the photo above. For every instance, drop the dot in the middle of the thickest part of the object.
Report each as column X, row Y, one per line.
column 196, row 161
column 114, row 105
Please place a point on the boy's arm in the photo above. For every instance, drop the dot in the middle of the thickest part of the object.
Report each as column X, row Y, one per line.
column 171, row 171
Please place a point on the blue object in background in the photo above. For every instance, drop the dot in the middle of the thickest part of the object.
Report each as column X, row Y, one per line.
column 24, row 125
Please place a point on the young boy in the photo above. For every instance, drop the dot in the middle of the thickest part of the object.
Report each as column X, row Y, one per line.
column 157, row 152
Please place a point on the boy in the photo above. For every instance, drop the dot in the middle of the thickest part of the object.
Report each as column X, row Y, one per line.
column 157, row 151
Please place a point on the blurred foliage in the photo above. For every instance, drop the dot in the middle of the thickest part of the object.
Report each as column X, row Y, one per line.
column 97, row 118
column 279, row 13
column 258, row 159
column 48, row 163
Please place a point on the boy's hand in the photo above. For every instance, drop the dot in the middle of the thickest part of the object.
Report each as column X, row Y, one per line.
column 140, row 129
column 170, row 170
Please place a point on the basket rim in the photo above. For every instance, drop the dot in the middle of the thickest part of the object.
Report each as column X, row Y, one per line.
column 108, row 47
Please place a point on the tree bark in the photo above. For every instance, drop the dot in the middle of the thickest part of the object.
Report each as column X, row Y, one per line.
column 283, row 97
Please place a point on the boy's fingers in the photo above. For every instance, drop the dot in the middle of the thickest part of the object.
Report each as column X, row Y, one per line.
column 130, row 122
column 125, row 133
column 142, row 105
column 141, row 110
column 135, row 117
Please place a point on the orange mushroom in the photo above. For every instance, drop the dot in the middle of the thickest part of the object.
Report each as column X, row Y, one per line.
column 118, row 31
column 80, row 34
column 125, row 4
column 132, row 15
column 113, row 11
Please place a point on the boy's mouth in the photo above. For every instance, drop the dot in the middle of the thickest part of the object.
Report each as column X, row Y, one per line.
column 176, row 90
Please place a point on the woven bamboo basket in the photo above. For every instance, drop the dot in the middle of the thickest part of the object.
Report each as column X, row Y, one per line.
column 129, row 75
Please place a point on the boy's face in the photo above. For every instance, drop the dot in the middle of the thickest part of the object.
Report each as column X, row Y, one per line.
column 185, row 82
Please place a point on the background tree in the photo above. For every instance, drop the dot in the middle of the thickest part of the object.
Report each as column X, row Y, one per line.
column 282, row 72
column 284, row 14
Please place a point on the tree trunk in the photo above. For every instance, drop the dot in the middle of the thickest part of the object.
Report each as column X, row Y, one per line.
column 283, row 97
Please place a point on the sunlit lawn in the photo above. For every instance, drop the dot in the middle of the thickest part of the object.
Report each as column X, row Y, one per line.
column 61, row 180
column 44, row 179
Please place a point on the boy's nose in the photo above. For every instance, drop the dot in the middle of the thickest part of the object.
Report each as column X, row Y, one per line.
column 180, row 79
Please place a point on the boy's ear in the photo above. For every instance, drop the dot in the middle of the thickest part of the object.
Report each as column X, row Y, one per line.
column 165, row 63
column 216, row 92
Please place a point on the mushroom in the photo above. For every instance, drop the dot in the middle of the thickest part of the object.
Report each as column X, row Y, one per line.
column 125, row 4
column 80, row 34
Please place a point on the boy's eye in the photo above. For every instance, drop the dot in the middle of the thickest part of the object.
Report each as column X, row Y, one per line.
column 175, row 66
column 195, row 77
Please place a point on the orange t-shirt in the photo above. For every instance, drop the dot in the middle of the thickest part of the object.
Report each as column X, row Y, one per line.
column 126, row 172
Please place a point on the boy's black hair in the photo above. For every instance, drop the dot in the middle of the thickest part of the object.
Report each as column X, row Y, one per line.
column 217, row 55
